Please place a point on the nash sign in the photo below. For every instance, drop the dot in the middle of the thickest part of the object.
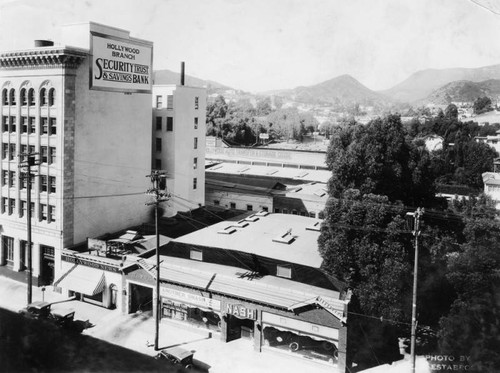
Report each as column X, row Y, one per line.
column 241, row 311
column 120, row 65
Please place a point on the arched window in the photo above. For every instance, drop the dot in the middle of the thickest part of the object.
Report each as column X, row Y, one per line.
column 43, row 97
column 12, row 96
column 31, row 97
column 52, row 96
column 23, row 98
column 5, row 98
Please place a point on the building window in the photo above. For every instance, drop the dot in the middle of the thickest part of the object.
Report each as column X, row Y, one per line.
column 159, row 102
column 52, row 183
column 31, row 97
column 12, row 206
column 284, row 271
column 249, row 208
column 12, row 124
column 5, row 98
column 232, row 205
column 12, row 97
column 52, row 96
column 31, row 125
column 5, row 124
column 265, row 208
column 285, row 211
column 23, row 97
column 5, row 177
column 196, row 254
column 195, row 183
column 24, row 124
column 52, row 213
column 8, row 246
column 45, row 154
column 22, row 209
column 294, row 212
column 53, row 126
column 216, row 202
column 158, row 144
column 321, row 215
column 12, row 152
column 5, row 205
column 43, row 97
column 196, row 103
column 52, row 155
column 312, row 214
column 196, row 123
column 158, row 123
column 12, row 179
column 43, row 212
column 23, row 254
column 43, row 183
column 302, row 213
column 170, row 102
column 195, row 163
column 44, row 126
column 196, row 143
column 158, row 164
column 170, row 124
column 5, row 150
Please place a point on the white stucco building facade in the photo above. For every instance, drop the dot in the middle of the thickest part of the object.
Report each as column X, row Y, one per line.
column 93, row 148
column 178, row 143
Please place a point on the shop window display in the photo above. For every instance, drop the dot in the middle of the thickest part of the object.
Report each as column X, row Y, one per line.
column 191, row 314
column 312, row 347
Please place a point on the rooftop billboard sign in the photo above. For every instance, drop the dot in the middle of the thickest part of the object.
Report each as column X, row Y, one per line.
column 120, row 65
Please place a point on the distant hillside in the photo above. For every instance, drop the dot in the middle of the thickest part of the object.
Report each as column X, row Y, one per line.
column 171, row 77
column 422, row 83
column 343, row 89
column 464, row 91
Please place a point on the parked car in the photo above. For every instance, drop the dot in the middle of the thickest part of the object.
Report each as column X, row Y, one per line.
column 177, row 355
column 63, row 318
column 37, row 310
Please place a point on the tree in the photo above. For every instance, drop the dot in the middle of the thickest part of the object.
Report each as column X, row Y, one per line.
column 482, row 105
column 451, row 112
column 472, row 328
column 216, row 114
column 376, row 158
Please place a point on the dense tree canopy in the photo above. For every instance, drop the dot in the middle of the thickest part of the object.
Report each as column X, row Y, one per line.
column 482, row 105
column 376, row 158
column 472, row 328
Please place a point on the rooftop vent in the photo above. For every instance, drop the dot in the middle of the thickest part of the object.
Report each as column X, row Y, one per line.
column 315, row 227
column 272, row 172
column 262, row 213
column 227, row 230
column 285, row 237
column 320, row 193
column 242, row 169
column 302, row 174
column 240, row 224
column 251, row 218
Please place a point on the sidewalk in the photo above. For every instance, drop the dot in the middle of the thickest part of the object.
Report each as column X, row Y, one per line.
column 136, row 332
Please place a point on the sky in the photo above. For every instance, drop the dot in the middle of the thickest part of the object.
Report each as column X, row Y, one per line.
column 261, row 45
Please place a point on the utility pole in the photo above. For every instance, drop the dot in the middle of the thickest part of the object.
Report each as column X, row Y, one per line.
column 416, row 232
column 30, row 161
column 157, row 178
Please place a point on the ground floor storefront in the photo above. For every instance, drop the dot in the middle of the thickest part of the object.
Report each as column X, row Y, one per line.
column 309, row 332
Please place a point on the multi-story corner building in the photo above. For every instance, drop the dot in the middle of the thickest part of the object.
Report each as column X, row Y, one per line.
column 178, row 141
column 84, row 109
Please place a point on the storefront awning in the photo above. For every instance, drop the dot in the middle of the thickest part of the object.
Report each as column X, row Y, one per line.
column 85, row 280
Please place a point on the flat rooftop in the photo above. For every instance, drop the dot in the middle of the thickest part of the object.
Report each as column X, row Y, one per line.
column 278, row 236
column 299, row 174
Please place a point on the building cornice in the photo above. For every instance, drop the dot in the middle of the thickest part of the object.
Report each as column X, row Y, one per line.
column 44, row 57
